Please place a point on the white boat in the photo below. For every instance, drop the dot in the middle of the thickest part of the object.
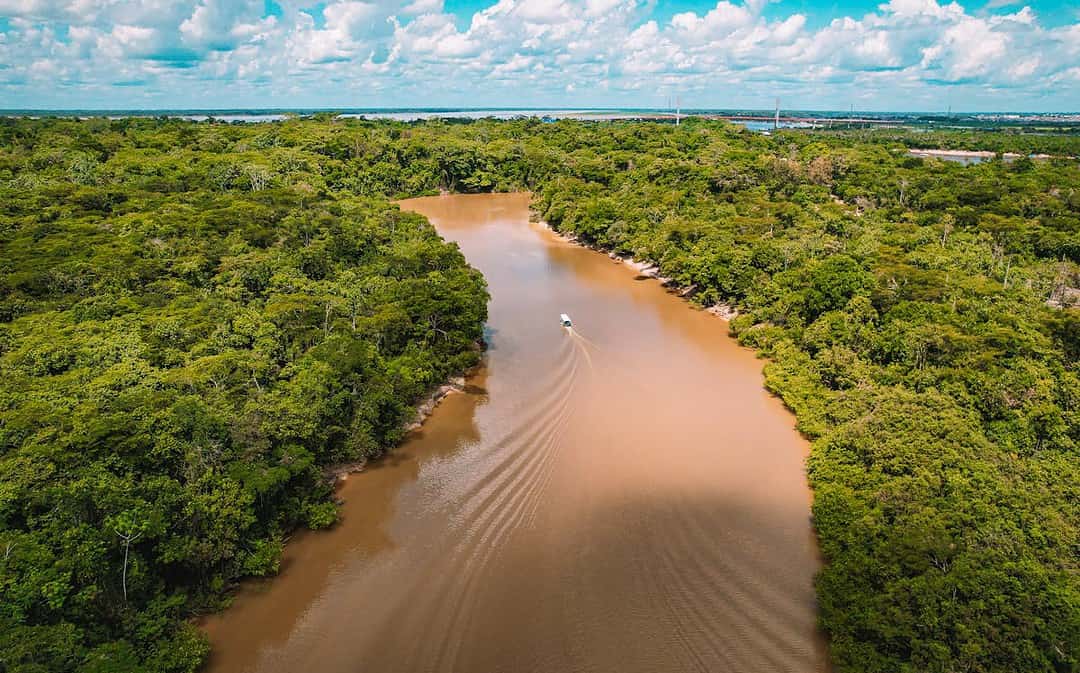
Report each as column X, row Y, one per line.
column 564, row 320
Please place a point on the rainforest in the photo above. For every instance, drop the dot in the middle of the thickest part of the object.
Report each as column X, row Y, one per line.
column 200, row 321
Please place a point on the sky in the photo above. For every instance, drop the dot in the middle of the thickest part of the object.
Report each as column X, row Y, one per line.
column 901, row 55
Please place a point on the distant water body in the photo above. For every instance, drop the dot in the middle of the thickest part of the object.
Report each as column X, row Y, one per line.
column 760, row 118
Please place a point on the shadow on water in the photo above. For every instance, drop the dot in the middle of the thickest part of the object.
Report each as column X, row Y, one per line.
column 490, row 338
column 672, row 583
column 273, row 607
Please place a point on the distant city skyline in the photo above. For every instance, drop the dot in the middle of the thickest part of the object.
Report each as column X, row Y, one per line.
column 903, row 55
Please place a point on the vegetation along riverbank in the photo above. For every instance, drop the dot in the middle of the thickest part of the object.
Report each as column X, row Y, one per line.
column 196, row 318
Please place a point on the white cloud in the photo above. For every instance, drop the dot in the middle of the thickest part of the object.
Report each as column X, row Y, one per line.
column 972, row 49
column 1025, row 16
column 516, row 51
column 720, row 21
column 424, row 7
column 921, row 9
column 221, row 25
column 543, row 11
column 602, row 7
column 125, row 41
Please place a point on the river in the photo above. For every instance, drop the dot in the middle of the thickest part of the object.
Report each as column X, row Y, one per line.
column 618, row 497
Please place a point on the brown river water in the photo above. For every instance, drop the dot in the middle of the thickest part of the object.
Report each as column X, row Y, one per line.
column 618, row 497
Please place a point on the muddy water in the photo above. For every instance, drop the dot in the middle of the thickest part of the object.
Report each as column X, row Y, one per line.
column 618, row 497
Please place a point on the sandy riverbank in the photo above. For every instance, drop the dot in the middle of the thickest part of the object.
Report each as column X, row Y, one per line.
column 649, row 270
column 340, row 472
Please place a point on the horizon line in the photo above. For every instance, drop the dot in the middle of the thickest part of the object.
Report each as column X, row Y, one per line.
column 499, row 108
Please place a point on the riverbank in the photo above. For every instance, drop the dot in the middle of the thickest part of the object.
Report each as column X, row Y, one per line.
column 647, row 269
column 340, row 472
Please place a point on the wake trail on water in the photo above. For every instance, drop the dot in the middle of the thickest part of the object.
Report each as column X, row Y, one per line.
column 583, row 344
column 503, row 496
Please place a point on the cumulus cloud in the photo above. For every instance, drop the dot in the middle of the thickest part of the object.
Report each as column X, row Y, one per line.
column 223, row 25
column 187, row 53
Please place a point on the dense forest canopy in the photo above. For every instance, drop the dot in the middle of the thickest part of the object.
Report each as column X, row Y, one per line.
column 189, row 334
column 195, row 318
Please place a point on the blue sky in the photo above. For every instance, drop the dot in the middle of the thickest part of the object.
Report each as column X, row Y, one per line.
column 812, row 54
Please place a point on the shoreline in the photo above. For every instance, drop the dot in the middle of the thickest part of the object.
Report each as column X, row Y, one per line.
column 721, row 310
column 338, row 473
